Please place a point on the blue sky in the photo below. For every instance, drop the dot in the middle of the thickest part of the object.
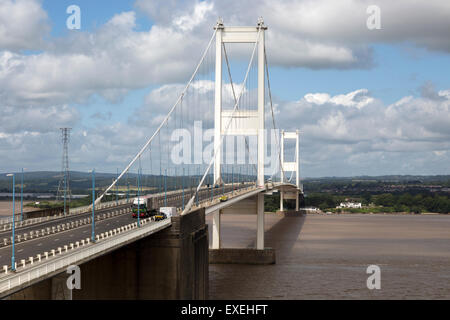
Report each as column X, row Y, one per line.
column 397, row 73
column 331, row 78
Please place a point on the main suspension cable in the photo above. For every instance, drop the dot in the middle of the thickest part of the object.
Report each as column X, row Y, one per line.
column 163, row 122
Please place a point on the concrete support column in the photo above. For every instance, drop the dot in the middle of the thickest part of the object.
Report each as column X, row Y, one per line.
column 216, row 230
column 297, row 160
column 218, row 105
column 261, row 105
column 260, row 222
column 282, row 159
column 281, row 200
column 59, row 289
column 296, row 203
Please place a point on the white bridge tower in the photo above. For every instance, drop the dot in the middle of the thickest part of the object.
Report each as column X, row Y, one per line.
column 245, row 122
column 290, row 167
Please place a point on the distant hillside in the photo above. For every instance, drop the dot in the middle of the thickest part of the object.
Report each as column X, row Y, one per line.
column 48, row 181
column 380, row 184
column 80, row 182
column 388, row 178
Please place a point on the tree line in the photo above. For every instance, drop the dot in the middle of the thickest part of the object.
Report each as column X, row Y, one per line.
column 386, row 202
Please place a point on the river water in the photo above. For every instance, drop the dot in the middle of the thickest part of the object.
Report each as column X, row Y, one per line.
column 326, row 257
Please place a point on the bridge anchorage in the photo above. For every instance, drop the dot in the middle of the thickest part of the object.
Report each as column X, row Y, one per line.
column 172, row 170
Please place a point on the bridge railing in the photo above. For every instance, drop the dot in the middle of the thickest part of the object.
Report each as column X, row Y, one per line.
column 6, row 223
column 103, row 205
column 229, row 194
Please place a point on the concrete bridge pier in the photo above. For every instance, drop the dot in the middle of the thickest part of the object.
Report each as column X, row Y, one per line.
column 260, row 221
column 258, row 255
column 216, row 243
column 289, row 195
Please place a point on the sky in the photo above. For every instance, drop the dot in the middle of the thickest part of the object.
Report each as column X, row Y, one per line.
column 367, row 101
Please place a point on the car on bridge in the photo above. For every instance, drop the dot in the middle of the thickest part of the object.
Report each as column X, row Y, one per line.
column 160, row 216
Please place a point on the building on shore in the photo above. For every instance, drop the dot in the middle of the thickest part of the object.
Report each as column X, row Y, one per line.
column 353, row 205
column 311, row 209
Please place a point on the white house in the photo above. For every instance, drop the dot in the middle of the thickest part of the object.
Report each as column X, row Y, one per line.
column 350, row 205
column 311, row 209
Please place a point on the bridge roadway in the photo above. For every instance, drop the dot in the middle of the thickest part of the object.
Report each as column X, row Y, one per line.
column 44, row 224
column 30, row 247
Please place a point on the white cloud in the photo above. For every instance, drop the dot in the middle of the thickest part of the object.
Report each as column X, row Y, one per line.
column 321, row 33
column 444, row 93
column 116, row 58
column 36, row 119
column 124, row 20
column 340, row 138
column 190, row 21
column 358, row 98
column 23, row 24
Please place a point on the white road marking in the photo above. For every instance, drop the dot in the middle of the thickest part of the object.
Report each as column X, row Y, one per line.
column 39, row 244
column 20, row 250
column 56, row 239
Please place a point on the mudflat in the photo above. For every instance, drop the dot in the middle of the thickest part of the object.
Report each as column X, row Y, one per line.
column 6, row 208
column 326, row 257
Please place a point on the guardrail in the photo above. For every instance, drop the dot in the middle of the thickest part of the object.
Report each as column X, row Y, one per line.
column 216, row 198
column 60, row 227
column 100, row 206
column 74, row 211
column 9, row 219
column 57, row 260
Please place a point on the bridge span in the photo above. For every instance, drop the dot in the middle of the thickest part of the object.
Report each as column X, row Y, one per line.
column 121, row 258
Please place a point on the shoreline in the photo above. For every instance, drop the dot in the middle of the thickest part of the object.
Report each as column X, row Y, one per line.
column 370, row 213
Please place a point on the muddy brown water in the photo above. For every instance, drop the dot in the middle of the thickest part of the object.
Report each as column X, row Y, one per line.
column 326, row 257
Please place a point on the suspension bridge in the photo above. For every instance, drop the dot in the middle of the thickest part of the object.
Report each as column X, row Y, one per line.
column 233, row 113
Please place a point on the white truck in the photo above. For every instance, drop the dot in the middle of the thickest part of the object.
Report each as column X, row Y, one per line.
column 146, row 206
column 168, row 211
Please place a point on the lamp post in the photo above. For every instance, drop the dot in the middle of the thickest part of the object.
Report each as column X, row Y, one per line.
column 139, row 201
column 182, row 186
column 232, row 180
column 93, row 205
column 128, row 189
column 117, row 190
column 13, row 264
column 165, row 188
column 21, row 198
